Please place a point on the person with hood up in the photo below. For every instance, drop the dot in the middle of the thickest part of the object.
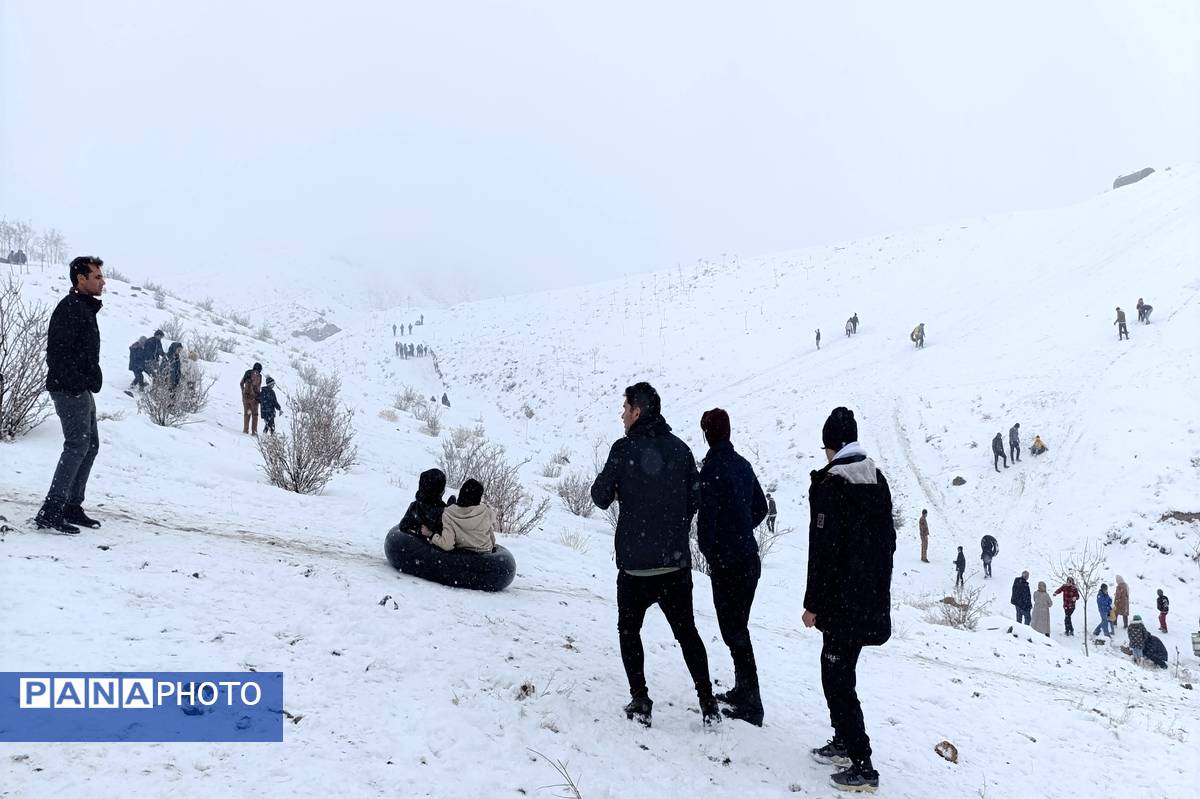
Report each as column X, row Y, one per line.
column 269, row 405
column 732, row 504
column 1121, row 603
column 424, row 514
column 1070, row 595
column 1041, row 610
column 1021, row 599
column 852, row 543
column 653, row 475
column 1104, row 605
column 960, row 566
column 1155, row 651
column 998, row 452
column 1137, row 638
column 990, row 548
column 251, row 384
column 467, row 523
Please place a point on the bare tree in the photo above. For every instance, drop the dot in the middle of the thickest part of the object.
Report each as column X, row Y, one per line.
column 1088, row 567
column 23, row 401
column 474, row 456
column 175, row 406
column 319, row 440
column 962, row 611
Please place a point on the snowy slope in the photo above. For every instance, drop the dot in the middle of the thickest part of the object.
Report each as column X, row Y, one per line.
column 206, row 566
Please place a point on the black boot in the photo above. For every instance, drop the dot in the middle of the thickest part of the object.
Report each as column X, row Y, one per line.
column 709, row 709
column 747, row 705
column 860, row 777
column 75, row 515
column 49, row 518
column 639, row 709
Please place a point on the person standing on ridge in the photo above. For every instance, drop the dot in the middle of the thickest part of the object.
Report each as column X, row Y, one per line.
column 73, row 376
column 1021, row 599
column 923, row 524
column 852, row 541
column 1122, row 330
column 731, row 506
column 998, row 452
column 653, row 475
column 1014, row 442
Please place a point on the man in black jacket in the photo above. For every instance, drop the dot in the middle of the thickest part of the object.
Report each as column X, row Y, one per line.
column 152, row 353
column 998, row 452
column 72, row 377
column 653, row 476
column 852, row 540
column 731, row 506
column 1021, row 599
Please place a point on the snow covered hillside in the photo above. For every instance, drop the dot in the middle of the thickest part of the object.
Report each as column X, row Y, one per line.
column 399, row 687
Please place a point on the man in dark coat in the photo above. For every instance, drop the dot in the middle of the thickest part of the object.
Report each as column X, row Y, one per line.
column 72, row 376
column 998, row 452
column 653, row 476
column 1021, row 598
column 137, row 351
column 1014, row 442
column 424, row 514
column 731, row 506
column 268, row 405
column 772, row 513
column 152, row 352
column 989, row 549
column 445, row 400
column 852, row 541
column 960, row 566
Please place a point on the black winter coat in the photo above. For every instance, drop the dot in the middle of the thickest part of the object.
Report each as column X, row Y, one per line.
column 988, row 547
column 960, row 562
column 851, row 541
column 1163, row 604
column 268, row 403
column 152, row 351
column 732, row 504
column 1020, row 594
column 998, row 445
column 73, row 346
column 427, row 508
column 652, row 474
column 1155, row 650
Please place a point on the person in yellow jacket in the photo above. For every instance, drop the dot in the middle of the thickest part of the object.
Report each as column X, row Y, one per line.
column 1038, row 446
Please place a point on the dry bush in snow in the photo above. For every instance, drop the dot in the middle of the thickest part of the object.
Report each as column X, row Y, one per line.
column 319, row 439
column 406, row 398
column 475, row 456
column 174, row 407
column 575, row 491
column 24, row 403
column 205, row 347
column 173, row 328
column 962, row 611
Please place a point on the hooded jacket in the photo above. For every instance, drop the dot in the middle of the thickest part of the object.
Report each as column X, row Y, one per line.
column 426, row 509
column 1121, row 597
column 652, row 474
column 466, row 527
column 851, row 541
column 732, row 504
column 73, row 346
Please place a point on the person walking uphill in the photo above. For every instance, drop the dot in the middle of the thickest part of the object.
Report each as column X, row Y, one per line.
column 72, row 376
column 923, row 524
column 251, row 384
column 732, row 504
column 852, row 540
column 653, row 476
column 269, row 405
column 1070, row 595
column 998, row 452
column 1021, row 599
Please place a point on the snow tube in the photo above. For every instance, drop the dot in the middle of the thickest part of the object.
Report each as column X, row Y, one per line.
column 414, row 555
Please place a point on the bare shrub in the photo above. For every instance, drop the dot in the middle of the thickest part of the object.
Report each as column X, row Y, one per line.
column 431, row 415
column 406, row 398
column 227, row 343
column 562, row 457
column 767, row 539
column 600, row 448
column 319, row 440
column 264, row 332
column 516, row 512
column 173, row 328
column 174, row 407
column 23, row 401
column 962, row 611
column 576, row 540
column 239, row 319
column 160, row 300
column 552, row 470
column 110, row 416
column 112, row 273
column 390, row 415
column 575, row 491
column 611, row 514
column 205, row 347
column 206, row 304
column 308, row 374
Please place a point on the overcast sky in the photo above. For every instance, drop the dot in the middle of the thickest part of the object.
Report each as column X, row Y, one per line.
column 496, row 147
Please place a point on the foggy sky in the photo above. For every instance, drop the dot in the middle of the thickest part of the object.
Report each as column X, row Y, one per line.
column 496, row 147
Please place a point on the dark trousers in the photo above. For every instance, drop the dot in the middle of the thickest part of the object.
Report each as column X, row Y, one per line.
column 1122, row 331
column 771, row 522
column 1014, row 452
column 1023, row 615
column 268, row 422
column 958, row 579
column 1068, row 627
column 139, row 378
column 672, row 592
column 996, row 460
column 81, row 442
column 839, row 659
column 733, row 594
column 987, row 566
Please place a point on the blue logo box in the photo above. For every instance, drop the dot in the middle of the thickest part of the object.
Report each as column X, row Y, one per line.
column 141, row 707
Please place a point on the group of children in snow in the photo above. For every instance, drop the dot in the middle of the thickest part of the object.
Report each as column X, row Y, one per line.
column 1035, row 611
column 1038, row 447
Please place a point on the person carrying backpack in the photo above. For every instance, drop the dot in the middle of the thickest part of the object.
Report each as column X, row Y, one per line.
column 251, row 384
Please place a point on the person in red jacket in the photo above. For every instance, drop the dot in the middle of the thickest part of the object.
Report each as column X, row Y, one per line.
column 1070, row 596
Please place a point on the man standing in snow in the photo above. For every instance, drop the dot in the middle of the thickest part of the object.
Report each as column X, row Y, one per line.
column 653, row 476
column 731, row 506
column 72, row 376
column 772, row 513
column 998, row 452
column 818, row 338
column 1070, row 595
column 1164, row 607
column 250, row 385
column 990, row 549
column 852, row 540
column 854, row 322
column 923, row 524
column 1122, row 330
column 1014, row 442
column 960, row 566
column 1021, row 598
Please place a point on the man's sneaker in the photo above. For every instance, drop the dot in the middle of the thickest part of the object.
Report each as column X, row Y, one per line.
column 710, row 710
column 75, row 515
column 833, row 753
column 858, row 778
column 639, row 710
column 49, row 520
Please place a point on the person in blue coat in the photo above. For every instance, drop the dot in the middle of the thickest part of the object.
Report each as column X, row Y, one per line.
column 1104, row 605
